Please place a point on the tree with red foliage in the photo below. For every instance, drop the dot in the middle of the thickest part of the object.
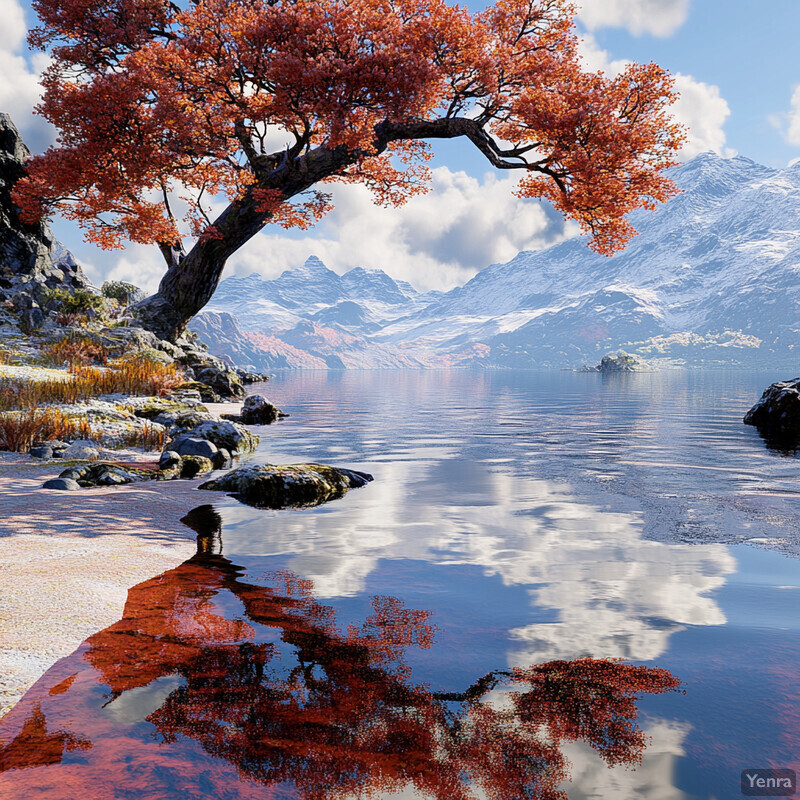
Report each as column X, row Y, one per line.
column 155, row 98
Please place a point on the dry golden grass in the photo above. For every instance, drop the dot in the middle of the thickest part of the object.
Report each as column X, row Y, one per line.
column 147, row 438
column 75, row 349
column 20, row 430
column 133, row 376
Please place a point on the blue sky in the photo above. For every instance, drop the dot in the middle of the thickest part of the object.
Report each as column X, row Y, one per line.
column 736, row 66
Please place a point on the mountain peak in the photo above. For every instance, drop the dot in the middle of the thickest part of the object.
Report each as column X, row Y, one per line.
column 314, row 264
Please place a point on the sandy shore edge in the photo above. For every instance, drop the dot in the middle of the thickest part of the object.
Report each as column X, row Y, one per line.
column 69, row 559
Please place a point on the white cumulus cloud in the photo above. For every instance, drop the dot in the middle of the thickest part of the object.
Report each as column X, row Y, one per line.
column 657, row 17
column 704, row 111
column 435, row 241
column 789, row 123
column 19, row 77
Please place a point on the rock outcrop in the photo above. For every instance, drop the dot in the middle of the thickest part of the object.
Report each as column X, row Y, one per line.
column 32, row 262
column 777, row 413
column 256, row 410
column 292, row 485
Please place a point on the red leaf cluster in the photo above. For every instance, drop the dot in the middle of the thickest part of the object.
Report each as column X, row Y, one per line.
column 154, row 98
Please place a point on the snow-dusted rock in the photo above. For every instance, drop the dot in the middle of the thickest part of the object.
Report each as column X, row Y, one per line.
column 224, row 434
column 82, row 450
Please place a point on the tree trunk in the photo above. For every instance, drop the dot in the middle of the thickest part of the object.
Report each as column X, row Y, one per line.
column 167, row 312
column 191, row 280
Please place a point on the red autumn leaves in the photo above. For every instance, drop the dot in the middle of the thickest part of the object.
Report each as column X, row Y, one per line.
column 151, row 98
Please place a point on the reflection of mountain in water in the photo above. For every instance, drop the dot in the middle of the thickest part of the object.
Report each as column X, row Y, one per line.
column 212, row 686
column 616, row 593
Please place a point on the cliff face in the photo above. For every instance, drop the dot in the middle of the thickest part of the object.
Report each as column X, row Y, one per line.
column 31, row 260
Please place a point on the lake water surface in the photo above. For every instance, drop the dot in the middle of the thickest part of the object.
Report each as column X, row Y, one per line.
column 515, row 519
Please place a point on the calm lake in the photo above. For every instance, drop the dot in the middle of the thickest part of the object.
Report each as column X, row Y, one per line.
column 515, row 519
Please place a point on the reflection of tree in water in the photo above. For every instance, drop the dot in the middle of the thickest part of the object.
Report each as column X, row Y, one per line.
column 333, row 712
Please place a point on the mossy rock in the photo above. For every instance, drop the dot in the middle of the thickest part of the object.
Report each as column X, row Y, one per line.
column 157, row 407
column 225, row 435
column 192, row 466
column 289, row 485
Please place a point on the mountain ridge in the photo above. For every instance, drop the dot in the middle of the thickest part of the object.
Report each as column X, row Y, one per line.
column 712, row 278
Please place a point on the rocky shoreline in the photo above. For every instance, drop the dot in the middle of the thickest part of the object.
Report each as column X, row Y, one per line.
column 103, row 427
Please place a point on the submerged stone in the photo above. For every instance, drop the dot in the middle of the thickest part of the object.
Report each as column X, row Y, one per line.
column 290, row 485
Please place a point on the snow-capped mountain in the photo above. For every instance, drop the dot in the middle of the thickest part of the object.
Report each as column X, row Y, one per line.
column 713, row 277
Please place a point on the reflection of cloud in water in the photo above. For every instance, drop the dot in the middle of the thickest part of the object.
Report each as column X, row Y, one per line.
column 615, row 593
column 654, row 778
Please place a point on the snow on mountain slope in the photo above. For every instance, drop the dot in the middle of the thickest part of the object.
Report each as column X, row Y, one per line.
column 712, row 277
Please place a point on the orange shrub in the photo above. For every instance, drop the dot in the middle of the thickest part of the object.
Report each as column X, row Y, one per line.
column 18, row 431
column 75, row 349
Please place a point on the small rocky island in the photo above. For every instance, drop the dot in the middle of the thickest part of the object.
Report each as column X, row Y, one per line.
column 621, row 362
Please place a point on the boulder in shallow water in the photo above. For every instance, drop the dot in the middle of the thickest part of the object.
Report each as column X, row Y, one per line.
column 777, row 413
column 289, row 485
column 257, row 410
